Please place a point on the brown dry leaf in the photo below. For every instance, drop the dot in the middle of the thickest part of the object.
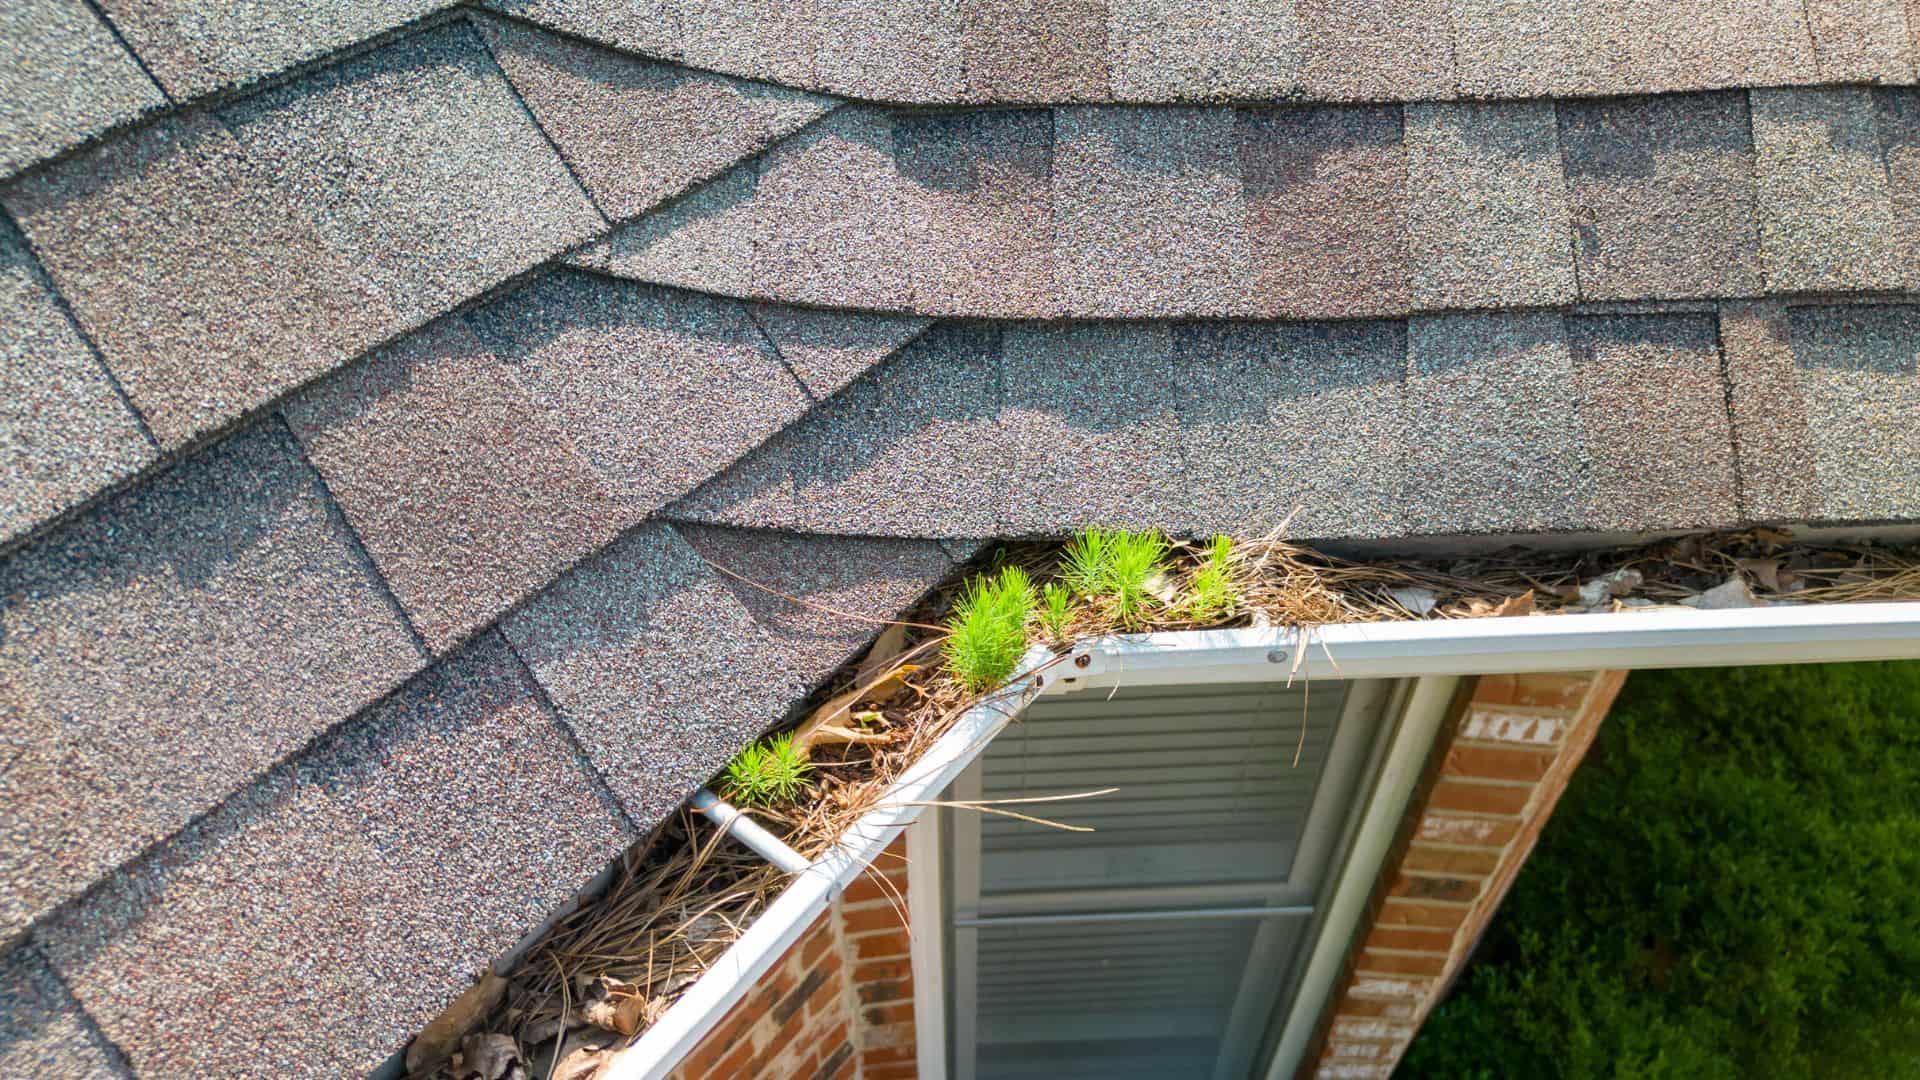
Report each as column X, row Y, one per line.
column 437, row 1041
column 489, row 1055
column 1516, row 605
column 1764, row 571
column 583, row 1064
column 886, row 649
column 618, row 1007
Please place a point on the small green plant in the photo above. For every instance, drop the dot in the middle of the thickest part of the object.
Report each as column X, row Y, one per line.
column 1087, row 561
column 1056, row 610
column 1116, row 565
column 987, row 633
column 770, row 771
column 1214, row 594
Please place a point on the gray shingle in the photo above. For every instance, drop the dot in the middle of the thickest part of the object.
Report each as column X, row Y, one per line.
column 659, row 389
column 1174, row 50
column 638, row 132
column 1663, row 195
column 1769, row 418
column 43, row 1035
column 1523, row 48
column 1148, row 212
column 1387, row 50
column 1858, row 370
column 829, row 349
column 63, row 78
column 325, row 913
column 1653, row 411
column 1326, row 192
column 763, row 39
column 651, row 27
column 419, row 162
column 756, row 491
column 1090, row 422
column 65, row 432
column 705, row 241
column 1488, row 209
column 132, row 647
column 1279, row 418
column 1898, row 116
column 464, row 492
column 206, row 290
column 1035, row 50
column 902, row 50
column 1861, row 40
column 846, row 586
column 1826, row 219
column 1643, row 46
column 983, row 184
column 658, row 669
column 195, row 48
column 913, row 447
column 1492, row 403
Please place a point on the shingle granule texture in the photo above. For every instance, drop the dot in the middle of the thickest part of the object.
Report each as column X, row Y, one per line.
column 65, row 432
column 1147, row 211
column 1522, row 48
column 707, row 240
column 1663, row 195
column 43, row 1035
column 195, row 48
column 1639, row 47
column 466, row 494
column 638, row 132
column 1326, row 192
column 904, row 50
column 1769, row 419
column 1488, row 206
column 1173, row 50
column 656, row 666
column 912, row 448
column 652, row 27
column 421, row 165
column 1653, row 413
column 1089, row 419
column 132, row 647
column 1826, row 212
column 776, row 40
column 756, row 491
column 1859, row 375
column 1492, row 399
column 1283, row 418
column 829, row 349
column 1389, row 50
column 63, row 78
column 848, row 586
column 1035, row 50
column 328, row 911
column 659, row 389
column 1861, row 40
column 200, row 281
column 1897, row 112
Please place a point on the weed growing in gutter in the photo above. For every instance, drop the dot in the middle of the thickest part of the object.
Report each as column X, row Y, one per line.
column 773, row 770
column 988, row 631
column 1212, row 597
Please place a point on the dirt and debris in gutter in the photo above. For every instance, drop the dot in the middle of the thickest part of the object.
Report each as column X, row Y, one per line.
column 605, row 972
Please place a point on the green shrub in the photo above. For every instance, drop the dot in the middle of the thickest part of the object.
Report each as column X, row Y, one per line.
column 770, row 771
column 1730, row 888
column 987, row 633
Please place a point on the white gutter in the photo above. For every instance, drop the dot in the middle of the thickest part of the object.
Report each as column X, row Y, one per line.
column 733, row 820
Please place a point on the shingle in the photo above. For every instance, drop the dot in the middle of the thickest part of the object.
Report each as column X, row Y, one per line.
column 1859, row 375
column 318, row 919
column 834, row 592
column 829, row 349
column 133, row 644
column 1898, row 116
column 1306, row 420
column 1861, row 40
column 756, row 491
column 638, row 132
column 1090, row 422
column 195, row 48
column 1663, row 195
column 1492, row 396
column 1326, row 199
column 1040, row 51
column 1769, row 419
column 1387, row 50
column 1653, row 412
column 984, row 184
column 659, row 389
column 1826, row 219
column 705, row 241
column 649, row 27
column 902, row 50
column 1523, row 48
column 911, row 448
column 1175, row 50
column 1488, row 210
column 65, row 432
column 661, row 673
column 762, row 39
column 43, row 1035
column 1648, row 46
column 1148, row 212
column 206, row 290
column 63, row 78
column 419, row 162
column 466, row 495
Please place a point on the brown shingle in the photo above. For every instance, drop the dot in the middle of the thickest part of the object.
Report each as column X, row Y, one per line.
column 1826, row 216
column 1043, row 51
column 762, row 39
column 1898, row 116
column 43, row 1034
column 1175, row 50
column 707, row 240
column 1861, row 40
column 1649, row 46
column 834, row 215
column 1388, row 50
column 829, row 349
column 1858, row 370
column 903, row 50
column 63, row 78
column 1522, row 48
column 1769, row 418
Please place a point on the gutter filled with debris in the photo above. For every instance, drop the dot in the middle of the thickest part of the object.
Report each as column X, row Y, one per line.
column 628, row 984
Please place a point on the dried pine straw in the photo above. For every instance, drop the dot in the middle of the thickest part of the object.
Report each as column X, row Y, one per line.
column 687, row 897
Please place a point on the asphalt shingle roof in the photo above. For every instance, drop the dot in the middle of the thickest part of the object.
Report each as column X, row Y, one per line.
column 473, row 348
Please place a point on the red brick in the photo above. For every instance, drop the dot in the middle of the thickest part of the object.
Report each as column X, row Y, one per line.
column 816, row 942
column 1444, row 861
column 1514, row 726
column 1410, row 939
column 1370, row 1008
column 877, row 970
column 873, row 884
column 735, row 1064
column 888, row 1055
column 1497, row 763
column 885, row 1014
column 884, row 917
column 1422, row 887
column 890, row 1072
column 1405, row 913
column 873, row 993
column 1397, row 964
column 1463, row 797
column 1467, row 832
column 880, row 946
column 1554, row 690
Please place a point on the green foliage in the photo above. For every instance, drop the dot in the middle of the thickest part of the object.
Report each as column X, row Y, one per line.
column 1086, row 562
column 1056, row 610
column 987, row 632
column 1730, row 888
column 1116, row 566
column 770, row 771
column 1214, row 596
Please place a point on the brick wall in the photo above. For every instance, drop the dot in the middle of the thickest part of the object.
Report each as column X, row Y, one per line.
column 1496, row 773
column 837, row 1006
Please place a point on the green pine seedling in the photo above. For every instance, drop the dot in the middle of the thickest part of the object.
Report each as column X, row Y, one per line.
column 770, row 771
column 1087, row 562
column 1056, row 610
column 987, row 633
column 1133, row 559
column 1214, row 596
